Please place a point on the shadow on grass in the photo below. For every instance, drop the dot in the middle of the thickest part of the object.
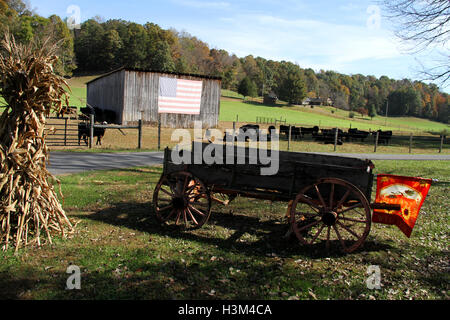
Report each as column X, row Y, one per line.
column 269, row 234
column 165, row 280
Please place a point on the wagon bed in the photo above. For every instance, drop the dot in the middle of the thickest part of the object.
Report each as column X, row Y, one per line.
column 328, row 196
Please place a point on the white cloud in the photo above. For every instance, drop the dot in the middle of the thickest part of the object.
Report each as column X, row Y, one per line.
column 311, row 42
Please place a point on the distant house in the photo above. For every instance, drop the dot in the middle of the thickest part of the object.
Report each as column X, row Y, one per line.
column 312, row 102
column 317, row 102
column 270, row 98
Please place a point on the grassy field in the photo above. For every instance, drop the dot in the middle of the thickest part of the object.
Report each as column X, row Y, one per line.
column 124, row 253
column 322, row 117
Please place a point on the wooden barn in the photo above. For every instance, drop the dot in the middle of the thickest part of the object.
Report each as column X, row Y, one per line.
column 133, row 94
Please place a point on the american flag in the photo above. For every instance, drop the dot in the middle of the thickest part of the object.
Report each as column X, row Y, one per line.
column 179, row 96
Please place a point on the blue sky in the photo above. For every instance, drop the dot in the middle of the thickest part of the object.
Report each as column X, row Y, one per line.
column 345, row 36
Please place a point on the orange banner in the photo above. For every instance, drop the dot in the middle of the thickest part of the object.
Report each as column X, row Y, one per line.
column 408, row 192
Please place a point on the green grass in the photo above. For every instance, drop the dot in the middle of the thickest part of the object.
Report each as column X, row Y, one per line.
column 124, row 254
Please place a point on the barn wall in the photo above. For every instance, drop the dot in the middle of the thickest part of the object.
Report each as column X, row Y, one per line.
column 141, row 100
column 107, row 93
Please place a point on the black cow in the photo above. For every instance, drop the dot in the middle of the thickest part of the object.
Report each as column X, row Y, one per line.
column 354, row 134
column 383, row 136
column 328, row 136
column 84, row 132
column 313, row 130
column 284, row 129
column 296, row 132
column 86, row 113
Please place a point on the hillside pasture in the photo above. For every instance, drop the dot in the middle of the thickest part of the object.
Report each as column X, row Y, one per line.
column 323, row 117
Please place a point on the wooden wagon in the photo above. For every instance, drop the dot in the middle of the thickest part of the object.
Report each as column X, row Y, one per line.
column 328, row 196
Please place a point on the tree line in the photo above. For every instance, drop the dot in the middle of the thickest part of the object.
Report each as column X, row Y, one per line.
column 102, row 46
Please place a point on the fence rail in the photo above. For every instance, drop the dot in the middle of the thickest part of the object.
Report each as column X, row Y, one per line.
column 66, row 133
column 62, row 134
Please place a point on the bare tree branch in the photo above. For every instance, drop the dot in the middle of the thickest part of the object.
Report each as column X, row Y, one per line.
column 423, row 24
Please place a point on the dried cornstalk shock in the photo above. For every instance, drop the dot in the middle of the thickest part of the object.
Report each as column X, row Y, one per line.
column 29, row 205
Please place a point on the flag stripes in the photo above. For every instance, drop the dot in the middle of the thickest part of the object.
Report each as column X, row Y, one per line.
column 179, row 96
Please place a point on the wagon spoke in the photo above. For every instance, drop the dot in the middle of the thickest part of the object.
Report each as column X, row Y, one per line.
column 312, row 224
column 178, row 217
column 332, row 195
column 185, row 217
column 320, row 195
column 166, row 192
column 358, row 205
column 306, row 214
column 317, row 234
column 185, row 184
column 201, row 204
column 339, row 237
column 190, row 189
column 195, row 210
column 170, row 214
column 348, row 229
column 309, row 202
column 165, row 208
column 327, row 245
column 343, row 199
column 352, row 220
column 191, row 215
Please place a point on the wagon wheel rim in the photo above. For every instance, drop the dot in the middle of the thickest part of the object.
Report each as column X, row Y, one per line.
column 331, row 211
column 181, row 199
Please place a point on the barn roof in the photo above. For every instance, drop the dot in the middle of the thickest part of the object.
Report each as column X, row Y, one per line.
column 157, row 71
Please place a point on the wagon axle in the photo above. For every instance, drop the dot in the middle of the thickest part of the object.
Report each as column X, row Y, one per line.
column 179, row 203
column 329, row 218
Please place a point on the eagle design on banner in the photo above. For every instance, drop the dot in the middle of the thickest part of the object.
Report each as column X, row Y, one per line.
column 408, row 192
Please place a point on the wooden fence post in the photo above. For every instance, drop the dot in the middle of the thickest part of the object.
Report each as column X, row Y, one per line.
column 91, row 131
column 159, row 132
column 140, row 134
column 442, row 144
column 376, row 141
column 410, row 142
column 335, row 138
column 289, row 137
column 65, row 132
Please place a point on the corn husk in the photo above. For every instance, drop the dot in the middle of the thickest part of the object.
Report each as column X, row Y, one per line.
column 30, row 211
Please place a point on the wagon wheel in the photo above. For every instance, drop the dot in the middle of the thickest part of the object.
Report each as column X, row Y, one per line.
column 331, row 211
column 182, row 199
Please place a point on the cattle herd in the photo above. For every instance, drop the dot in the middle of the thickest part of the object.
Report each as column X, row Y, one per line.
column 245, row 133
column 327, row 136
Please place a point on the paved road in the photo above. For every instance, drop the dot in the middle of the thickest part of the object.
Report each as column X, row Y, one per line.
column 73, row 162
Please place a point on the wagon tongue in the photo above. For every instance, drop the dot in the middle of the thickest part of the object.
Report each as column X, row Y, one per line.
column 398, row 200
